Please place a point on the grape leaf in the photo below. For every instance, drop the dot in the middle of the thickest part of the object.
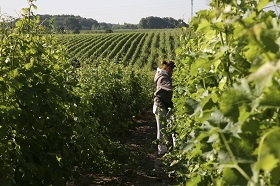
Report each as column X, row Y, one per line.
column 262, row 4
column 267, row 163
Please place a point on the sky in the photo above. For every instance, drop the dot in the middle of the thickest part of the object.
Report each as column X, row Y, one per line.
column 109, row 11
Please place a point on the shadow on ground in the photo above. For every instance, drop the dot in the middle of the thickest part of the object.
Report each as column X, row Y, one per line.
column 140, row 164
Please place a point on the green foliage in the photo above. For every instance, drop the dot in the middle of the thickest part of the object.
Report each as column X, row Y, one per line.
column 108, row 30
column 68, row 21
column 72, row 23
column 160, row 23
column 58, row 121
column 76, row 31
column 113, row 94
column 227, row 96
column 36, row 106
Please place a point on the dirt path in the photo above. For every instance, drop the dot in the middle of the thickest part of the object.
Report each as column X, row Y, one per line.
column 141, row 164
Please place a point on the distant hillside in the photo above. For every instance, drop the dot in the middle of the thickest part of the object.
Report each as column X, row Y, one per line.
column 71, row 22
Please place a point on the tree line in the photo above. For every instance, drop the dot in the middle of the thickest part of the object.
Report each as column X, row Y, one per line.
column 61, row 23
column 158, row 23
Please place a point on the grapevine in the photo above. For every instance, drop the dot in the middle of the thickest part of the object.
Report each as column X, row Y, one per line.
column 227, row 76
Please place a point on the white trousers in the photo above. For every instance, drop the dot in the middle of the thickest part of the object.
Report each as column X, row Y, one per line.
column 160, row 115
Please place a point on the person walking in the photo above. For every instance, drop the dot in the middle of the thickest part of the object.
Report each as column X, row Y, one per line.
column 163, row 100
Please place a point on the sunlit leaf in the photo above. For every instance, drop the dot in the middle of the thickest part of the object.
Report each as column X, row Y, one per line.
column 249, row 18
column 204, row 25
column 271, row 96
column 262, row 4
column 263, row 76
column 222, row 83
column 230, row 176
column 244, row 112
column 194, row 181
column 201, row 64
column 251, row 51
column 29, row 65
column 267, row 163
column 56, row 67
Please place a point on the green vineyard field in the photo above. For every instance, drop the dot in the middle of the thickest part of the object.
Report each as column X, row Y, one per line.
column 143, row 49
column 65, row 126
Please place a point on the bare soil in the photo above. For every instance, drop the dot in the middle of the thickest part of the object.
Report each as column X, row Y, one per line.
column 141, row 165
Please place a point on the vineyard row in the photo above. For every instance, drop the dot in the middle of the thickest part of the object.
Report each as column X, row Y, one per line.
column 143, row 49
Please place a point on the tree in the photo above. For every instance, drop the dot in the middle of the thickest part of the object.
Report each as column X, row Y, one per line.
column 71, row 23
column 182, row 23
column 102, row 26
column 143, row 23
column 76, row 31
column 60, row 29
column 108, row 30
column 87, row 24
column 160, row 23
